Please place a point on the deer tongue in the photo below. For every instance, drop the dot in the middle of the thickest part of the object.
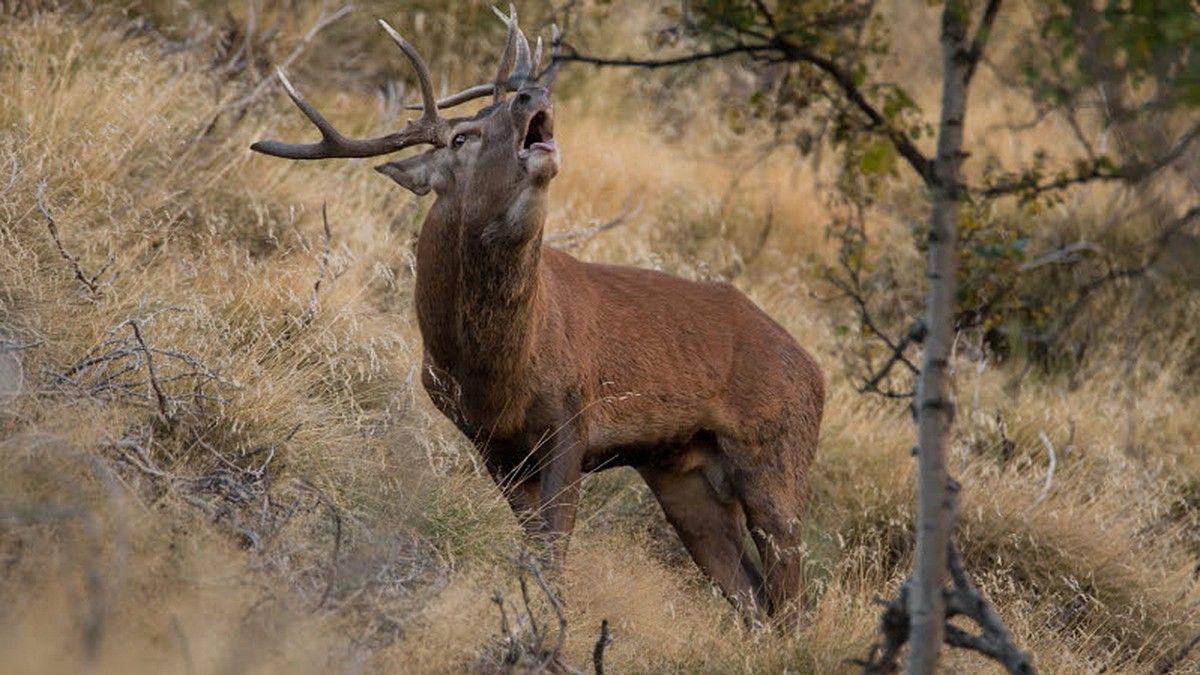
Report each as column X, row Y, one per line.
column 547, row 145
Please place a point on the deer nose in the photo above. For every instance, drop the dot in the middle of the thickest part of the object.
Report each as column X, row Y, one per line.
column 533, row 98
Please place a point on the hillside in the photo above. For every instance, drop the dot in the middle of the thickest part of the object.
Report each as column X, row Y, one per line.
column 216, row 455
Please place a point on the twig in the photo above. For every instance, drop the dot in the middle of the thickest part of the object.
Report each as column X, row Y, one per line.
column 270, row 449
column 323, row 21
column 915, row 334
column 1098, row 169
column 152, row 374
column 1061, row 255
column 525, row 648
column 88, row 282
column 12, row 179
column 628, row 61
column 261, row 87
column 555, row 604
column 893, row 625
column 982, row 33
column 310, row 312
column 1050, row 471
column 995, row 640
column 505, row 629
column 336, row 514
column 142, row 461
column 573, row 238
column 533, row 624
column 13, row 346
column 598, row 651
column 104, row 371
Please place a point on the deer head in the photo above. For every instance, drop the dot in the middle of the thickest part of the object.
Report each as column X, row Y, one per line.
column 496, row 156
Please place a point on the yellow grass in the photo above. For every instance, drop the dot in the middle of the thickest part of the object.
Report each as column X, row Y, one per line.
column 108, row 565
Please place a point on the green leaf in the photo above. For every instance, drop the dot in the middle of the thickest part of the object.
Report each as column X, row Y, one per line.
column 878, row 158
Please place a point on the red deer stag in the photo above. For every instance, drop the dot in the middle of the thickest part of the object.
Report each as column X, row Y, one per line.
column 555, row 367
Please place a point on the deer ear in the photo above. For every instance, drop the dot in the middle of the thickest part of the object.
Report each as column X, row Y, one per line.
column 413, row 173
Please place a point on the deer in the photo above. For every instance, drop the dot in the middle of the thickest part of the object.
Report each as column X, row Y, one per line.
column 555, row 368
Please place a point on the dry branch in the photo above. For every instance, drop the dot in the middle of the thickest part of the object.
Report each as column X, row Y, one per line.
column 174, row 382
column 151, row 374
column 1049, row 471
column 240, row 105
column 234, row 487
column 523, row 638
column 310, row 312
column 323, row 21
column 573, row 238
column 12, row 178
column 89, row 282
column 335, row 514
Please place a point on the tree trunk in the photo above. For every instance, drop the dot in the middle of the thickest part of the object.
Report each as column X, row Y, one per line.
column 926, row 604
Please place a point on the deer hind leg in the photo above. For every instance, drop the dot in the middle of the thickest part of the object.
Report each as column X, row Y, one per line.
column 710, row 522
column 770, row 482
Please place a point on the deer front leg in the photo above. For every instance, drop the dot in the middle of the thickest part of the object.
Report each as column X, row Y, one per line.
column 559, row 478
column 519, row 484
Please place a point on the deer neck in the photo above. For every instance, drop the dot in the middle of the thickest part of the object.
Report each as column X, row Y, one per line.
column 479, row 297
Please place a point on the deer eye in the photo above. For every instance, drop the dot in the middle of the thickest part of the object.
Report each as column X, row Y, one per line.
column 458, row 140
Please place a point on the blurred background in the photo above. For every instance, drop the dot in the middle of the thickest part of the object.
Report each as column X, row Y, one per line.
column 216, row 456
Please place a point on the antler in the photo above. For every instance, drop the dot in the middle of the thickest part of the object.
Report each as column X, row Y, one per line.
column 513, row 40
column 555, row 50
column 523, row 69
column 427, row 129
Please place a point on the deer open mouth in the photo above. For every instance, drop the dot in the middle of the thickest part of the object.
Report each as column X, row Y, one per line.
column 539, row 135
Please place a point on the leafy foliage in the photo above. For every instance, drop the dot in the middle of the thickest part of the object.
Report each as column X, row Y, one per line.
column 1123, row 77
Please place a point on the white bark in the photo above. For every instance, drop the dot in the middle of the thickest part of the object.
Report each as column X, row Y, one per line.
column 926, row 604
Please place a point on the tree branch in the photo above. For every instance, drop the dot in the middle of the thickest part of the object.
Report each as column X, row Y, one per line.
column 1098, row 169
column 845, row 81
column 915, row 334
column 630, row 62
column 982, row 33
column 787, row 51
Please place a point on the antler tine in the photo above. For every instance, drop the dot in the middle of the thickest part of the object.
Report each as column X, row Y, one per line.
column 555, row 50
column 328, row 132
column 506, row 57
column 332, row 143
column 537, row 58
column 427, row 100
column 478, row 91
column 522, row 68
column 515, row 42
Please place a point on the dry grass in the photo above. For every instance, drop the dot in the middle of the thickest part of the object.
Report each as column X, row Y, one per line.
column 316, row 515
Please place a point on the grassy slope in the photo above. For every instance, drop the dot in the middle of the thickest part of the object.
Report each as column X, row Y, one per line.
column 103, row 560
